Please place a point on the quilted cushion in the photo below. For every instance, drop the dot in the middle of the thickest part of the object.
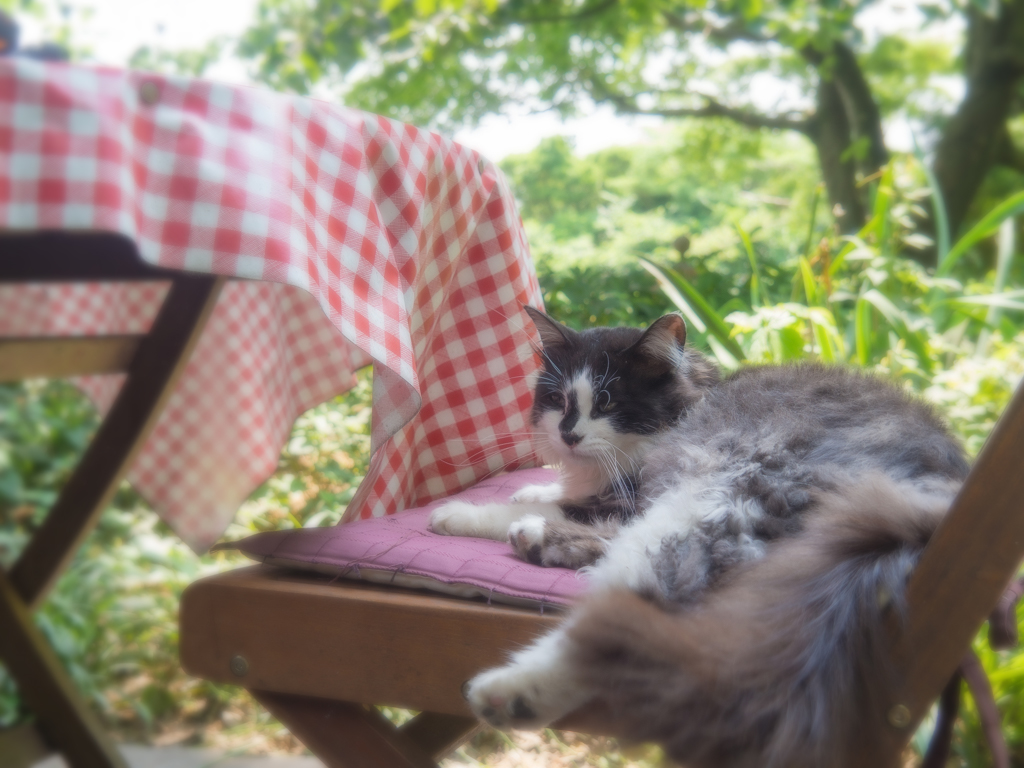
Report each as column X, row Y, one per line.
column 399, row 549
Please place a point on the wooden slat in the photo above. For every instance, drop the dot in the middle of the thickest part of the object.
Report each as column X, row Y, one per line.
column 344, row 641
column 160, row 358
column 57, row 358
column 65, row 720
column 961, row 575
column 22, row 747
column 342, row 734
column 437, row 735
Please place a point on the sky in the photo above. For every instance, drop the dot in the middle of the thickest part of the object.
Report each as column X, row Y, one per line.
column 114, row 29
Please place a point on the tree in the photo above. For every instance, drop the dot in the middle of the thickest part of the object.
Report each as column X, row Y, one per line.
column 449, row 62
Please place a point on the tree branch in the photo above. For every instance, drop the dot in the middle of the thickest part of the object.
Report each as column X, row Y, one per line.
column 714, row 108
column 732, row 30
column 584, row 13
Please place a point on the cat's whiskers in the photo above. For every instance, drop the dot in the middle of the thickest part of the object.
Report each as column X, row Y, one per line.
column 492, row 446
column 478, row 458
column 618, row 484
column 552, row 363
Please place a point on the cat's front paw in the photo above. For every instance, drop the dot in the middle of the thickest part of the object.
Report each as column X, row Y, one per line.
column 485, row 521
column 510, row 697
column 527, row 538
column 539, row 493
column 456, row 518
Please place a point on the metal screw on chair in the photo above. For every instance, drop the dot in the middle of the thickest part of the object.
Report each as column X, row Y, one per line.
column 899, row 716
column 239, row 666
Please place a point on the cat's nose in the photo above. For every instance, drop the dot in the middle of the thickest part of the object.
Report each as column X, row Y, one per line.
column 570, row 438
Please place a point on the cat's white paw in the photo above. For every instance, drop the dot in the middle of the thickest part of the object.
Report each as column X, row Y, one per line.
column 526, row 534
column 539, row 493
column 485, row 521
column 456, row 518
column 515, row 696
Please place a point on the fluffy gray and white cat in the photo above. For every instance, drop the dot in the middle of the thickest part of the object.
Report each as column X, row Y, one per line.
column 743, row 537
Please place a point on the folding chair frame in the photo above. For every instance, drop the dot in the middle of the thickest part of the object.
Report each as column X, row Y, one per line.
column 152, row 361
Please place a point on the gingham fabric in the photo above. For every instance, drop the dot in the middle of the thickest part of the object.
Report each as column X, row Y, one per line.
column 363, row 240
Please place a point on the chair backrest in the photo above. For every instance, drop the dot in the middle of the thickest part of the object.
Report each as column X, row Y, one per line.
column 956, row 584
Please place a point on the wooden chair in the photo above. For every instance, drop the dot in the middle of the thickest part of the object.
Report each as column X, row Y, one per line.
column 152, row 362
column 317, row 653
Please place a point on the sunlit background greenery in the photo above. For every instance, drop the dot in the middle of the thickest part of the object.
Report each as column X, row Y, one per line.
column 730, row 223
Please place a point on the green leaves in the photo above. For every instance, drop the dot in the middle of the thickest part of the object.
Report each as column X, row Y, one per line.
column 695, row 307
column 985, row 228
column 864, row 304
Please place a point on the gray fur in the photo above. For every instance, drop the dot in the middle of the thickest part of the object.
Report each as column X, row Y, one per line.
column 777, row 435
column 784, row 665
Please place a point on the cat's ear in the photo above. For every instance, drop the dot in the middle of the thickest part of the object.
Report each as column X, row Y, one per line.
column 552, row 333
column 664, row 340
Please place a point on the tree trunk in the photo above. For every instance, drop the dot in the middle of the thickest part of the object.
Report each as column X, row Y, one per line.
column 861, row 109
column 846, row 113
column 974, row 139
column 832, row 136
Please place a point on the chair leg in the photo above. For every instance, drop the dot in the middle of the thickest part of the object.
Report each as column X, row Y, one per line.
column 437, row 735
column 343, row 734
column 64, row 718
column 22, row 747
column 161, row 357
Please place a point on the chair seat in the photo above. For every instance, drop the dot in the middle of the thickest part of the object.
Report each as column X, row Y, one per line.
column 270, row 629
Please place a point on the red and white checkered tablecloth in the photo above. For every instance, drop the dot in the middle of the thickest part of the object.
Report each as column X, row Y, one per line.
column 364, row 240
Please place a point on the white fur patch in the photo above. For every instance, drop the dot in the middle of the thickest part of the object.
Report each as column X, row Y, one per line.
column 583, row 386
column 545, row 493
column 536, row 688
column 629, row 560
column 486, row 521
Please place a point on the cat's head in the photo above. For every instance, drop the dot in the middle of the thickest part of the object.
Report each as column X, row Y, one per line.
column 604, row 393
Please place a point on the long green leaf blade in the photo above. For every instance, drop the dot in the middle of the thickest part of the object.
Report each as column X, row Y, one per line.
column 756, row 293
column 942, row 233
column 677, row 298
column 1011, row 206
column 692, row 298
column 862, row 330
column 898, row 322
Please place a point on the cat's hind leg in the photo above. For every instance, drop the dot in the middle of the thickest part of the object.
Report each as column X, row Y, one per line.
column 563, row 544
column 536, row 687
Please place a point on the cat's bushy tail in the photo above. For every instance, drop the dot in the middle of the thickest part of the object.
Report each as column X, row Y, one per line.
column 778, row 667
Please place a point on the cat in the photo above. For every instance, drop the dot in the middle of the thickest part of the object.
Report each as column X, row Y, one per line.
column 743, row 537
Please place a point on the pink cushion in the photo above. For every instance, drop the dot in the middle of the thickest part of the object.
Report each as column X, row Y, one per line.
column 400, row 549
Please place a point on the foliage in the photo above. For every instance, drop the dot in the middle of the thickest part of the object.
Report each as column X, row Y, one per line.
column 834, row 75
column 652, row 200
column 859, row 301
column 457, row 60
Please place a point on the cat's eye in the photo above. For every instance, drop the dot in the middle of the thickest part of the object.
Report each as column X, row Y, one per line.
column 605, row 403
column 556, row 399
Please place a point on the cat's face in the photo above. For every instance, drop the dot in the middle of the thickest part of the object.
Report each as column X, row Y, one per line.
column 603, row 393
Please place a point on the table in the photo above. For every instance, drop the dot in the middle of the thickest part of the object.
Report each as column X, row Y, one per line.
column 240, row 254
